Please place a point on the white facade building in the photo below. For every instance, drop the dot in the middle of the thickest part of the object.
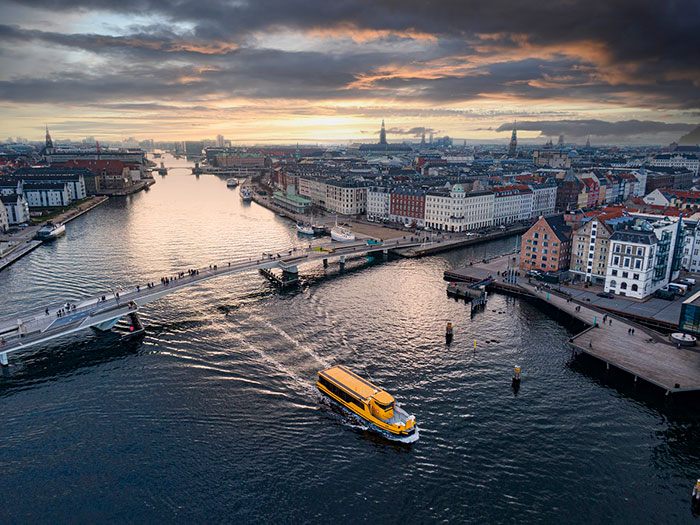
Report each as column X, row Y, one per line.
column 47, row 195
column 544, row 199
column 512, row 204
column 16, row 207
column 346, row 197
column 4, row 221
column 378, row 203
column 645, row 258
column 676, row 160
column 456, row 210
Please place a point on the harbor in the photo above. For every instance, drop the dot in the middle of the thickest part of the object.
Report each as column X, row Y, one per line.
column 612, row 335
column 24, row 241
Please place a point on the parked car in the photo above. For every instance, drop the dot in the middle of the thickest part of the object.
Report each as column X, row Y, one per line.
column 665, row 294
column 607, row 295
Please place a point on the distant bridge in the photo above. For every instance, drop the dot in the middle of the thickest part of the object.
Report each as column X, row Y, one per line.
column 103, row 312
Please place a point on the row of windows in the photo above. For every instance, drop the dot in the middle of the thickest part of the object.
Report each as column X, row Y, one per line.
column 625, row 275
column 341, row 393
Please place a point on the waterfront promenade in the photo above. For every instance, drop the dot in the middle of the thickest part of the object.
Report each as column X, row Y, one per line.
column 24, row 237
column 645, row 354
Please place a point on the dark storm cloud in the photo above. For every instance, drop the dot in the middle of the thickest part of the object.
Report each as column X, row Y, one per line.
column 639, row 53
column 624, row 129
column 414, row 132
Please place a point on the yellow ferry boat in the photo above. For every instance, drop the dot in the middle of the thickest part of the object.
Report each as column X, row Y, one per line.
column 371, row 403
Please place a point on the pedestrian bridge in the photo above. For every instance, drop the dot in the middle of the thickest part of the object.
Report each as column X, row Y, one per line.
column 35, row 327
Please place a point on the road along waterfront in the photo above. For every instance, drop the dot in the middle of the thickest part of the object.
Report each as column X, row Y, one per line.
column 215, row 410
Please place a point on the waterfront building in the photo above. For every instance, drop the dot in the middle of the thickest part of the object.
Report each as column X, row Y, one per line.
column 407, row 206
column 590, row 245
column 511, row 204
column 290, row 201
column 47, row 194
column 16, row 208
column 4, row 221
column 73, row 177
column 237, row 159
column 546, row 246
column 378, row 203
column 456, row 210
column 346, row 196
column 645, row 257
column 105, row 173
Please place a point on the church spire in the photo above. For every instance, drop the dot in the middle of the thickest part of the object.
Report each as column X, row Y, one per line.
column 382, row 134
column 49, row 142
column 513, row 142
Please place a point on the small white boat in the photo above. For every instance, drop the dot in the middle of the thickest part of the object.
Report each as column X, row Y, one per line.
column 305, row 228
column 246, row 195
column 341, row 234
column 231, row 183
column 50, row 231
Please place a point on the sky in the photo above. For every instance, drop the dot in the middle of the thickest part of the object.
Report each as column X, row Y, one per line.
column 314, row 71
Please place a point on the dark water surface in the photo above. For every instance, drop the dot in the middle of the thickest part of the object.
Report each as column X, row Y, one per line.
column 214, row 416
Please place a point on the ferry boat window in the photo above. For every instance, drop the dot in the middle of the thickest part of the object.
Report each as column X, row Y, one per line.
column 384, row 407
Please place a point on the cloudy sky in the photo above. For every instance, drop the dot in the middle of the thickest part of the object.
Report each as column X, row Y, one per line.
column 330, row 70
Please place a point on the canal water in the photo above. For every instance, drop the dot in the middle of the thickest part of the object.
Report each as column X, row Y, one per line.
column 214, row 415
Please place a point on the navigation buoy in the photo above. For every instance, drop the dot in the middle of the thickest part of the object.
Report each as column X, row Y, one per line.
column 449, row 333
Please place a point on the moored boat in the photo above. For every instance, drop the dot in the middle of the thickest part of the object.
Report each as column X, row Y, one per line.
column 50, row 231
column 246, row 194
column 366, row 400
column 342, row 234
column 231, row 183
column 305, row 228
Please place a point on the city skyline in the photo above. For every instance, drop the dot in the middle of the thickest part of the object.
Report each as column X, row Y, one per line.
column 273, row 72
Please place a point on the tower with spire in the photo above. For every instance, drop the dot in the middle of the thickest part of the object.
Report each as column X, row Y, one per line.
column 382, row 134
column 513, row 142
column 49, row 142
column 588, row 141
column 422, row 139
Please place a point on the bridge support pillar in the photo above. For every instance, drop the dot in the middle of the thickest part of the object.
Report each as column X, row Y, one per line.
column 3, row 359
column 342, row 262
column 325, row 263
column 385, row 253
column 290, row 275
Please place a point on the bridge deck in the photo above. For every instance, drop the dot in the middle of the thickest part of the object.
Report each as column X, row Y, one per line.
column 37, row 326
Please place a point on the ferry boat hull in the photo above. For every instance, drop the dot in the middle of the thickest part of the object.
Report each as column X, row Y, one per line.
column 50, row 232
column 231, row 183
column 305, row 229
column 399, row 425
column 246, row 195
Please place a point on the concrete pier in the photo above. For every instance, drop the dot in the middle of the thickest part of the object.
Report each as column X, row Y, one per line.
column 613, row 339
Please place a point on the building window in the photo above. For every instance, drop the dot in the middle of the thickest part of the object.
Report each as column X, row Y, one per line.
column 616, row 260
column 613, row 284
column 635, row 276
column 614, row 272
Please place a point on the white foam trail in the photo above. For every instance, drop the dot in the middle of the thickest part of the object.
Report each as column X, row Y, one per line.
column 267, row 358
column 289, row 338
